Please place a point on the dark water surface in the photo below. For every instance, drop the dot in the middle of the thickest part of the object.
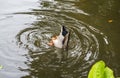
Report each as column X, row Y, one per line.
column 26, row 27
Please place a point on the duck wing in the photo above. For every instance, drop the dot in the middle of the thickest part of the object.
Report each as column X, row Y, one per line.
column 66, row 40
column 65, row 35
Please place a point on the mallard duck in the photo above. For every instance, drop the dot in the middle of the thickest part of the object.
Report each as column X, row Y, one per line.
column 60, row 41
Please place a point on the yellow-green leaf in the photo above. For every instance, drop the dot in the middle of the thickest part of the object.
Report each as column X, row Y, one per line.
column 108, row 73
column 97, row 70
column 110, row 21
column 1, row 66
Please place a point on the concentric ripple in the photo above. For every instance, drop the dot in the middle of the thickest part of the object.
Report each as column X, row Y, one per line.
column 34, row 39
column 83, row 45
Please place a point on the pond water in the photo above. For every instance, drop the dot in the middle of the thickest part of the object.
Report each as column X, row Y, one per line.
column 26, row 27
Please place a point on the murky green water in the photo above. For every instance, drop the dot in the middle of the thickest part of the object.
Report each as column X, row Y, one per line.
column 26, row 27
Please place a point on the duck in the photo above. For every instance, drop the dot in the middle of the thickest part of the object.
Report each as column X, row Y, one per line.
column 60, row 41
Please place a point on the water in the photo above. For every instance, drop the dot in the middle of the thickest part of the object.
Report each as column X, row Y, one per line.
column 27, row 26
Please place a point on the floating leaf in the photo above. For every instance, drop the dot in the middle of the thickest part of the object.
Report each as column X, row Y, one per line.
column 1, row 66
column 97, row 70
column 110, row 21
column 108, row 73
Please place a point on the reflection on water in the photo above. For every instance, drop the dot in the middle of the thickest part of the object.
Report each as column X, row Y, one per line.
column 35, row 28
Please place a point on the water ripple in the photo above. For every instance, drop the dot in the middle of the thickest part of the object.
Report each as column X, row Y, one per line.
column 83, row 45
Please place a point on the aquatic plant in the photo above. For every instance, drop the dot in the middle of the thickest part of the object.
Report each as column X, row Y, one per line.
column 99, row 70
